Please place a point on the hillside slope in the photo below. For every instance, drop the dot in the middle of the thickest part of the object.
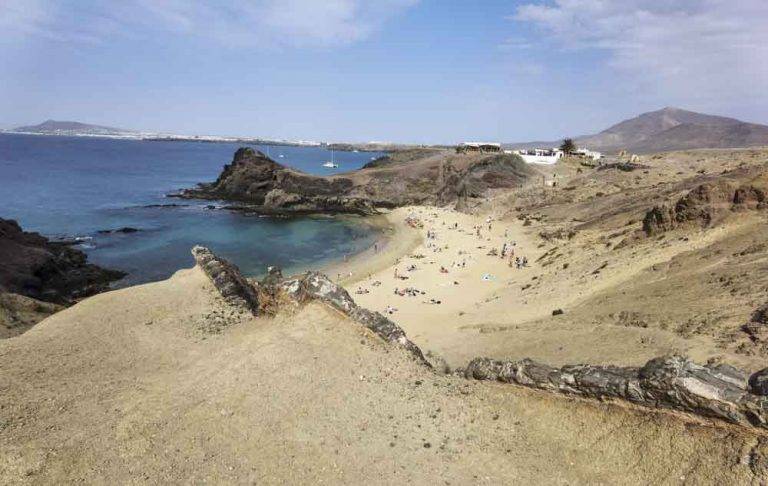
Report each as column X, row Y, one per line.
column 162, row 383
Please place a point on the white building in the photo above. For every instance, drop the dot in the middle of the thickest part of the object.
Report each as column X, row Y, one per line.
column 587, row 154
column 539, row 156
column 552, row 155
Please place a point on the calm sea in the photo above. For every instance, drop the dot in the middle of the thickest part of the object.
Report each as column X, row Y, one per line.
column 67, row 187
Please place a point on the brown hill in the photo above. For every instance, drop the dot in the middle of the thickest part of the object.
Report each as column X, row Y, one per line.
column 671, row 129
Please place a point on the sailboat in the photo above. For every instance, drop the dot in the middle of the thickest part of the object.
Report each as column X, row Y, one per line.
column 331, row 164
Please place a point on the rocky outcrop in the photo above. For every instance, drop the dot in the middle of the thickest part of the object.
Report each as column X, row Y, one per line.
column 408, row 177
column 672, row 382
column 274, row 291
column 270, row 188
column 227, row 279
column 705, row 203
column 33, row 266
column 316, row 286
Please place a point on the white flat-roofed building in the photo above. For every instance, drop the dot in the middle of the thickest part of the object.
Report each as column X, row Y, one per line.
column 539, row 155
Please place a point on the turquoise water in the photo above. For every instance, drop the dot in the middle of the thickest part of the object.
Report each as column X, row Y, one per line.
column 67, row 187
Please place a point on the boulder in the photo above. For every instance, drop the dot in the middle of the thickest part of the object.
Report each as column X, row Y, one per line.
column 758, row 382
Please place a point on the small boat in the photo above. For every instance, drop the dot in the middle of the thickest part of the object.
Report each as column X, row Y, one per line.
column 331, row 164
column 281, row 156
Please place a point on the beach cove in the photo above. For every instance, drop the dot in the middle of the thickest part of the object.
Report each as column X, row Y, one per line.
column 110, row 195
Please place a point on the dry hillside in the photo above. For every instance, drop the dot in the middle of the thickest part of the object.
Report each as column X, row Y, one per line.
column 164, row 383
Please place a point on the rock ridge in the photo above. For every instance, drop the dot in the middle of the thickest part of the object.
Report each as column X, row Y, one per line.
column 275, row 292
column 669, row 382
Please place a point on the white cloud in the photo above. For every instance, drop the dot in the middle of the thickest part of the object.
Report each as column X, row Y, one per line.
column 253, row 23
column 687, row 49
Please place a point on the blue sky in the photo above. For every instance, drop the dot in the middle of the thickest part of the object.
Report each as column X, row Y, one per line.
column 401, row 70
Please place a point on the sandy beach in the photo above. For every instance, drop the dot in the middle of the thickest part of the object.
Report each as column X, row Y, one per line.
column 457, row 298
column 431, row 275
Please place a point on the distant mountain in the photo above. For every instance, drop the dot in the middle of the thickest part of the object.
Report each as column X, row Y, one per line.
column 53, row 127
column 670, row 129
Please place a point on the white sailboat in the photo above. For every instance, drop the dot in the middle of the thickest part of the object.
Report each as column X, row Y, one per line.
column 331, row 164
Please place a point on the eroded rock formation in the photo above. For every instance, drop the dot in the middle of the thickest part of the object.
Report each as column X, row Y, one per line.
column 257, row 180
column 227, row 279
column 705, row 203
column 33, row 266
column 267, row 296
column 316, row 286
column 672, row 382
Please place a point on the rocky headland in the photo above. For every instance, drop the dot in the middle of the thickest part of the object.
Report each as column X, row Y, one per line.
column 39, row 276
column 419, row 176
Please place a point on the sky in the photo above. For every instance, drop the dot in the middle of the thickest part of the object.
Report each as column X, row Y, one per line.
column 422, row 71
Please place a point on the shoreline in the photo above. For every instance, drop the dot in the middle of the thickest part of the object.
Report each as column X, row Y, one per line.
column 394, row 240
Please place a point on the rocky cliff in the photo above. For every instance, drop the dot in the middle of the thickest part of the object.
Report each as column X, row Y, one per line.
column 49, row 271
column 407, row 177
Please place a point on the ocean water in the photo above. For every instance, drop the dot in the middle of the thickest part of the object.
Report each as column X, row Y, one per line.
column 65, row 187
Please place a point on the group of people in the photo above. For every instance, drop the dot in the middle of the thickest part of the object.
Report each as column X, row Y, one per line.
column 508, row 251
column 410, row 291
